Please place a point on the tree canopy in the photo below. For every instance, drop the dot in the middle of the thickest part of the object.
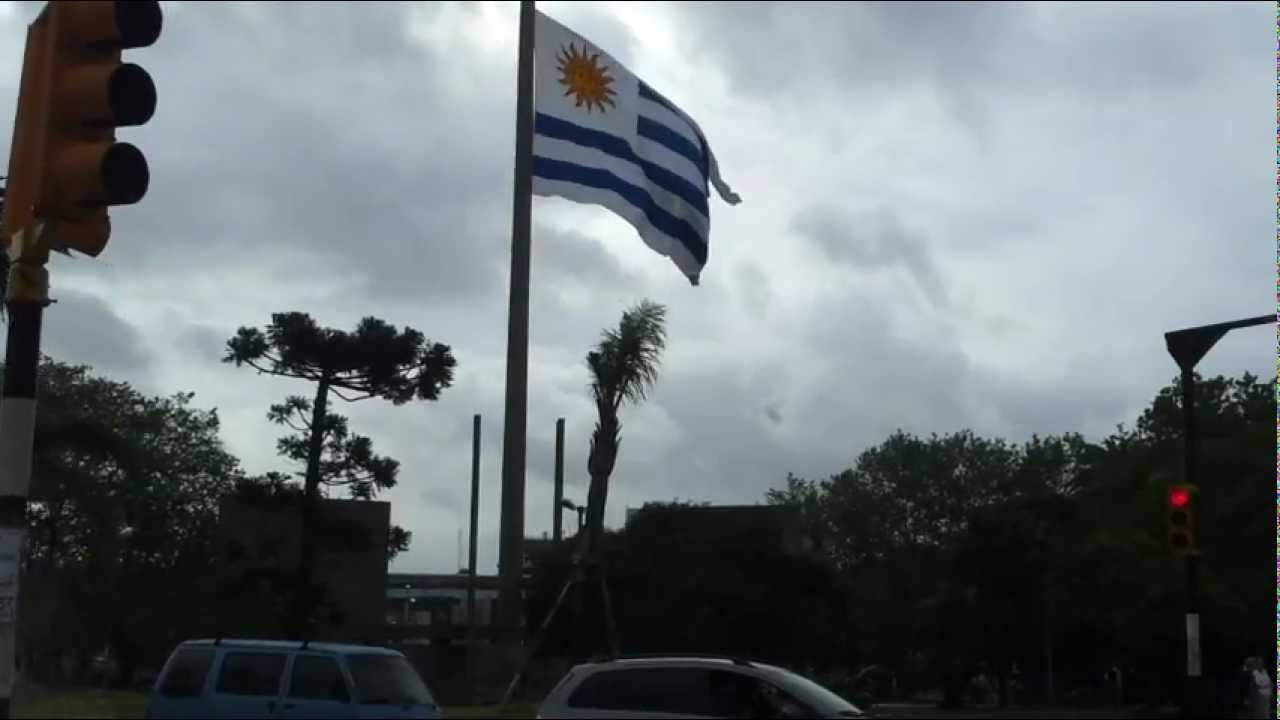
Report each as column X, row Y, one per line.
column 124, row 495
column 376, row 360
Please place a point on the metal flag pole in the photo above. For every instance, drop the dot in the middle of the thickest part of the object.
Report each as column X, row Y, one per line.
column 511, row 541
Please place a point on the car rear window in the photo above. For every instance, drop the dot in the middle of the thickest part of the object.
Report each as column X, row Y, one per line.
column 387, row 680
column 184, row 678
column 317, row 677
column 248, row 673
column 680, row 690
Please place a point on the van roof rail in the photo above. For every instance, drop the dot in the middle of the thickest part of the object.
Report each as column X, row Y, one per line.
column 682, row 656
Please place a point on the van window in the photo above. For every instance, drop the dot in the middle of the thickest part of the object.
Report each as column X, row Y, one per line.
column 186, row 673
column 387, row 680
column 246, row 673
column 317, row 677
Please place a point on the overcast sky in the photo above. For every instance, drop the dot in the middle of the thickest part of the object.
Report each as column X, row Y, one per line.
column 954, row 216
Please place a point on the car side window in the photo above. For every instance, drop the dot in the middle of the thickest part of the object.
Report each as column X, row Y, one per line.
column 677, row 690
column 317, row 677
column 251, row 673
column 739, row 695
column 186, row 673
column 783, row 704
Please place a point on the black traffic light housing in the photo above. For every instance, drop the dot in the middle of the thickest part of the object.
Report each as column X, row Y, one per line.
column 1180, row 511
column 66, row 167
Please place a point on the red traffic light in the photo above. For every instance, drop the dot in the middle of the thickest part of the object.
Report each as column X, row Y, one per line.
column 1179, row 497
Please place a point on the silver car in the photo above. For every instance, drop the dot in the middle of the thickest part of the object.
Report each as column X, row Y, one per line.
column 678, row 686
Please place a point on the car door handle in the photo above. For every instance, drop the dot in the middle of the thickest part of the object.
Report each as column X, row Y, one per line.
column 288, row 706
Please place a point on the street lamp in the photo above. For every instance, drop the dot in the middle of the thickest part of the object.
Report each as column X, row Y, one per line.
column 1188, row 347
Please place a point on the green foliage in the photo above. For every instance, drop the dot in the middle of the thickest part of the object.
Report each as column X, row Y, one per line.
column 124, row 496
column 971, row 553
column 624, row 366
column 376, row 360
column 735, row 580
column 346, row 460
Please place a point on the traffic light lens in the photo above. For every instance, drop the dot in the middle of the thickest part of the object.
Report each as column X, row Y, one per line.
column 125, row 174
column 132, row 95
column 1178, row 540
column 1178, row 518
column 138, row 22
column 1179, row 497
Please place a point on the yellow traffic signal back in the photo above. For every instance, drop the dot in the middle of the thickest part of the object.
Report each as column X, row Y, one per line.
column 75, row 92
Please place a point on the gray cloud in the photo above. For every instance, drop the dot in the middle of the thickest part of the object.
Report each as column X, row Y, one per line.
column 1011, row 162
column 873, row 241
column 83, row 329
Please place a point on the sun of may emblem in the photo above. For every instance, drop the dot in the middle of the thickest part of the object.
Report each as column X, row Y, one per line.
column 585, row 78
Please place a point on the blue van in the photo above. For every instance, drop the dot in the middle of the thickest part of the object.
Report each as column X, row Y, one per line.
column 276, row 679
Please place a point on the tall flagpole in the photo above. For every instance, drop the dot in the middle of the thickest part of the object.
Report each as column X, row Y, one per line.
column 511, row 538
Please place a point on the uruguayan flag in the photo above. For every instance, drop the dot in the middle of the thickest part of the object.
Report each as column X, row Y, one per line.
column 601, row 136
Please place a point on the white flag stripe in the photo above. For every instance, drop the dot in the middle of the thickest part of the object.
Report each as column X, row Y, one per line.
column 657, row 241
column 590, row 157
column 603, row 137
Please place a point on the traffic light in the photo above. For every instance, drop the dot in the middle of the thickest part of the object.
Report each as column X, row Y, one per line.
column 1181, row 517
column 65, row 166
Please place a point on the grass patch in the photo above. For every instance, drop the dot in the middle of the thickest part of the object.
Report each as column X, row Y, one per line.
column 41, row 702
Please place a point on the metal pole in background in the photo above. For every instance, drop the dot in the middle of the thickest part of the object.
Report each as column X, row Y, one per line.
column 557, row 532
column 511, row 540
column 471, row 554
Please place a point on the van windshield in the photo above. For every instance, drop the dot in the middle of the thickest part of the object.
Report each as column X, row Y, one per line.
column 387, row 680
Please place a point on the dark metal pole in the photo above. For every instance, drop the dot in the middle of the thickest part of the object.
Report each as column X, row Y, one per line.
column 1193, row 704
column 557, row 531
column 1188, row 347
column 471, row 554
column 511, row 544
column 27, row 296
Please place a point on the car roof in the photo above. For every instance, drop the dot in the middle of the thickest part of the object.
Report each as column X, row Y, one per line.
column 340, row 648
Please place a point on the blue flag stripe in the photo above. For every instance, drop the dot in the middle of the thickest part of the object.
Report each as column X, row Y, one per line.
column 660, row 219
column 653, row 96
column 673, row 141
column 554, row 127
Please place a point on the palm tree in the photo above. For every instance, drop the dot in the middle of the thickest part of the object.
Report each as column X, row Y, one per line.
column 624, row 366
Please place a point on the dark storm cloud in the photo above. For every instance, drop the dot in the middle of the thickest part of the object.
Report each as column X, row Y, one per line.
column 321, row 128
column 83, row 329
column 364, row 150
column 786, row 48
column 806, row 54
column 872, row 241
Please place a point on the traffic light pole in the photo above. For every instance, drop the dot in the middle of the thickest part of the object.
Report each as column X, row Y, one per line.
column 1188, row 347
column 1193, row 703
column 27, row 295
